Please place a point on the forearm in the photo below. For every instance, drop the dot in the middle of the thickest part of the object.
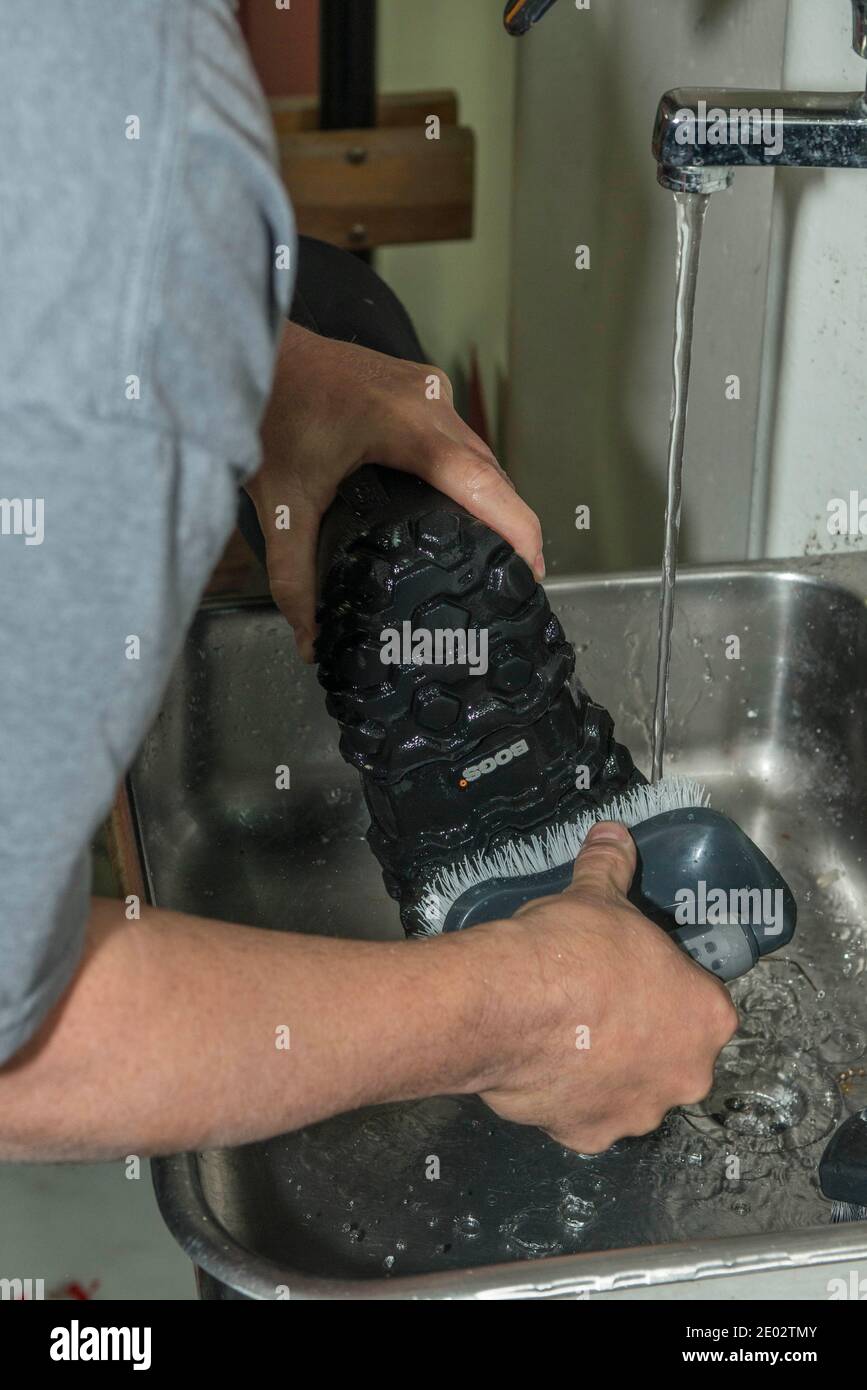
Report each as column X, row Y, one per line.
column 173, row 1036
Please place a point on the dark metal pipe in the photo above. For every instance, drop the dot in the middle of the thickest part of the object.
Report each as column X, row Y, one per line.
column 347, row 82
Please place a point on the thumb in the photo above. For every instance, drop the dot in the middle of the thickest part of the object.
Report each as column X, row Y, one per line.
column 606, row 863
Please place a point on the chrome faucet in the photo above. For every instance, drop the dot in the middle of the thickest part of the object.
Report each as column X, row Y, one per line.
column 703, row 135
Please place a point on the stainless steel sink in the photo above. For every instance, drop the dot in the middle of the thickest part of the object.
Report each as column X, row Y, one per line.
column 344, row 1209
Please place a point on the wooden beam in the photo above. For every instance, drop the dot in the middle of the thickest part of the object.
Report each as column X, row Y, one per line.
column 382, row 187
column 292, row 115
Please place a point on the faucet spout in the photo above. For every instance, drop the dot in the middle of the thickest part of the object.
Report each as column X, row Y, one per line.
column 702, row 135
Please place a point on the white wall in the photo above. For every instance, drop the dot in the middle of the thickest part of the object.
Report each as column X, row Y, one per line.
column 591, row 350
column 816, row 444
column 782, row 296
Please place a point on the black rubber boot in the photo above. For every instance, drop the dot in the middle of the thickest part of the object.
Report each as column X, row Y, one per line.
column 454, row 760
column 456, row 756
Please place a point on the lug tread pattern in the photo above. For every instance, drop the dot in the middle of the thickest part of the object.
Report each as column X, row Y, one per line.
column 419, row 557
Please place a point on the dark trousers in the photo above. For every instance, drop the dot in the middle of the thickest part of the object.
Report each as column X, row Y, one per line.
column 339, row 296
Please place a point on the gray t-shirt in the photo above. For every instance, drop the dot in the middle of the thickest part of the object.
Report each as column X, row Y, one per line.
column 142, row 285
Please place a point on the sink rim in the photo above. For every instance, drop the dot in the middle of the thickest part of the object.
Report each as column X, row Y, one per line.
column 213, row 1249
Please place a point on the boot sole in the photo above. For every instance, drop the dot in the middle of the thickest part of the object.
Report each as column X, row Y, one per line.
column 455, row 759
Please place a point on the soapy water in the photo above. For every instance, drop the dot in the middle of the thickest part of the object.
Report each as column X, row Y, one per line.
column 562, row 1223
column 445, row 1183
column 767, row 1099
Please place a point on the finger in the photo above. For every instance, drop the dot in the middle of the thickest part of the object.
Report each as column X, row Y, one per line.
column 586, row 1140
column 291, row 563
column 469, row 439
column 475, row 481
column 607, row 860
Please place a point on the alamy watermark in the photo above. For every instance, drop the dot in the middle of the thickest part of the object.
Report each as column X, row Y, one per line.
column 22, row 1290
column 23, row 516
column 716, row 907
column 77, row 1343
column 847, row 516
column 439, row 646
column 740, row 125
column 855, row 1288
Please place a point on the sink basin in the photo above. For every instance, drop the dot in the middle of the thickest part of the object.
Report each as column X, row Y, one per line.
column 345, row 1208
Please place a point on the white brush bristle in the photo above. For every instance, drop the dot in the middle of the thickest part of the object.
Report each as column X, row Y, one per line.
column 847, row 1211
column 559, row 845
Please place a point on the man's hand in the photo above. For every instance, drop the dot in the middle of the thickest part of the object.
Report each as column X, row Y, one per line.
column 336, row 406
column 618, row 1025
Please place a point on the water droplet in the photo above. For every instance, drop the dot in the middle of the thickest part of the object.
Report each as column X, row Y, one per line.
column 468, row 1225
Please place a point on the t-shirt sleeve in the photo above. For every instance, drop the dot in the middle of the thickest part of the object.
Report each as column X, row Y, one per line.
column 101, row 567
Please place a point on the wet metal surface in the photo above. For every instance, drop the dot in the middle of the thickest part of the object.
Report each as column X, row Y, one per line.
column 779, row 736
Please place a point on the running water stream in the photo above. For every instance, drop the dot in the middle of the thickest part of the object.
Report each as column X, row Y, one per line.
column 691, row 209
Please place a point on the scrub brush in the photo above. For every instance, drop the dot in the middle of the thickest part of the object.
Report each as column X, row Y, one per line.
column 843, row 1170
column 699, row 877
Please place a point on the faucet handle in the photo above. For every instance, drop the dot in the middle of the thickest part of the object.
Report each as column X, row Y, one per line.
column 859, row 27
column 520, row 15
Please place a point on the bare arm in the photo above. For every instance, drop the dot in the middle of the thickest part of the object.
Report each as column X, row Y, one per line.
column 167, row 1037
